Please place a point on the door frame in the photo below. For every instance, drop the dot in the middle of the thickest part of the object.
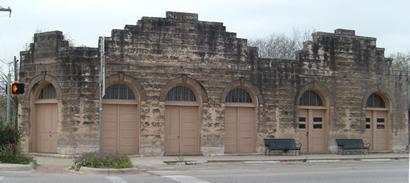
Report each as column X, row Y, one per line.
column 373, row 125
column 199, row 125
column 34, row 95
column 128, row 102
column 325, row 123
column 254, row 131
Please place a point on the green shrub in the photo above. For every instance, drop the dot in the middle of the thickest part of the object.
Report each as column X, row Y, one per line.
column 8, row 154
column 101, row 160
column 9, row 139
column 9, row 135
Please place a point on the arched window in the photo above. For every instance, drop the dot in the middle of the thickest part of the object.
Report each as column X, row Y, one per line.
column 238, row 95
column 181, row 93
column 48, row 92
column 310, row 98
column 119, row 92
column 375, row 100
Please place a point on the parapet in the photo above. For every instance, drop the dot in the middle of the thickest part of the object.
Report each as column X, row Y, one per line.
column 181, row 15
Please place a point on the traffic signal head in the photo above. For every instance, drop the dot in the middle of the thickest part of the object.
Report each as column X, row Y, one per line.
column 17, row 88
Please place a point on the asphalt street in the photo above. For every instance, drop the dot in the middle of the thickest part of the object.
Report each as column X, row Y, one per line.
column 383, row 171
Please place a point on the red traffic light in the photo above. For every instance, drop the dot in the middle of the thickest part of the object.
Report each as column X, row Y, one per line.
column 17, row 88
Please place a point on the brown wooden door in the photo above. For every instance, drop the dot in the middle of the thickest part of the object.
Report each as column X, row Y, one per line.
column 46, row 124
column 121, row 124
column 380, row 131
column 240, row 130
column 302, row 129
column 312, row 130
column 376, row 132
column 317, row 132
column 368, row 132
column 182, row 130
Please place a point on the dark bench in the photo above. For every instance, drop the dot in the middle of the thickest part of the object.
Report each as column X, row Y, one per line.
column 283, row 145
column 346, row 145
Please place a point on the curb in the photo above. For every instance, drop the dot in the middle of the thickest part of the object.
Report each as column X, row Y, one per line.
column 307, row 160
column 16, row 167
column 187, row 162
column 63, row 156
column 107, row 170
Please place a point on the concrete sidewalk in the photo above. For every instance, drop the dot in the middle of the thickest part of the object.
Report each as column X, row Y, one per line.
column 160, row 161
column 56, row 164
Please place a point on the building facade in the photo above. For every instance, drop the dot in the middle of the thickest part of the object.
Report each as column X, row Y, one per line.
column 180, row 86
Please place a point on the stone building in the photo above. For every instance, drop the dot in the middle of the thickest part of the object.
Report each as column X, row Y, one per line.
column 180, row 86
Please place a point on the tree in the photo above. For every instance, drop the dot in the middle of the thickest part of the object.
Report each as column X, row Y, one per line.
column 281, row 45
column 400, row 61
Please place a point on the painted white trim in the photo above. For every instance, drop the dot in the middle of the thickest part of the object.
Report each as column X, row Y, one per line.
column 375, row 109
column 311, row 107
column 111, row 101
column 240, row 104
column 181, row 103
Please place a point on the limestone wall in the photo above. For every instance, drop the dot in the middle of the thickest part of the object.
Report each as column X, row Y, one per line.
column 158, row 53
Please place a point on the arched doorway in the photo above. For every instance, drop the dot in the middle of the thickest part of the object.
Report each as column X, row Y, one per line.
column 181, row 122
column 121, row 120
column 240, row 125
column 312, row 123
column 46, row 120
column 376, row 124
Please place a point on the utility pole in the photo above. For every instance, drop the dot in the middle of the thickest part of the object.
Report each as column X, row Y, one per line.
column 6, row 9
column 15, row 99
column 15, row 69
column 102, row 92
column 8, row 95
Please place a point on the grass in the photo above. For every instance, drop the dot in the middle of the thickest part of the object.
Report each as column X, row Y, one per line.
column 101, row 160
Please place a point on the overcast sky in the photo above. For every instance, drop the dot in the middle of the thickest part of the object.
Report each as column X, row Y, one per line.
column 85, row 20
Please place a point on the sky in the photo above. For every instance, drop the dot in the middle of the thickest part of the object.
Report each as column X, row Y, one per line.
column 83, row 21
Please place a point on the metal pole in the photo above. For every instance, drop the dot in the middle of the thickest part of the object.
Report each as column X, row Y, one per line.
column 102, row 92
column 8, row 96
column 15, row 99
column 15, row 69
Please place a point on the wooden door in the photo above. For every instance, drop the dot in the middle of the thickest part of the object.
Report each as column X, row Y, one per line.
column 240, row 130
column 317, row 132
column 368, row 132
column 311, row 130
column 46, row 127
column 380, row 131
column 376, row 130
column 182, row 130
column 189, row 130
column 302, row 129
column 120, row 131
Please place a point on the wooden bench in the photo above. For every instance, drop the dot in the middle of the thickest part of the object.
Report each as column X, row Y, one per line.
column 346, row 145
column 283, row 145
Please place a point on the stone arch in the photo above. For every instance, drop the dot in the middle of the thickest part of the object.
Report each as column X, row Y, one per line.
column 380, row 92
column 379, row 139
column 313, row 123
column 128, row 81
column 245, row 85
column 185, row 114
column 241, row 119
column 38, row 82
column 36, row 85
column 192, row 84
column 319, row 89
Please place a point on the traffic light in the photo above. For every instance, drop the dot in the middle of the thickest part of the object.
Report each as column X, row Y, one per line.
column 17, row 88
